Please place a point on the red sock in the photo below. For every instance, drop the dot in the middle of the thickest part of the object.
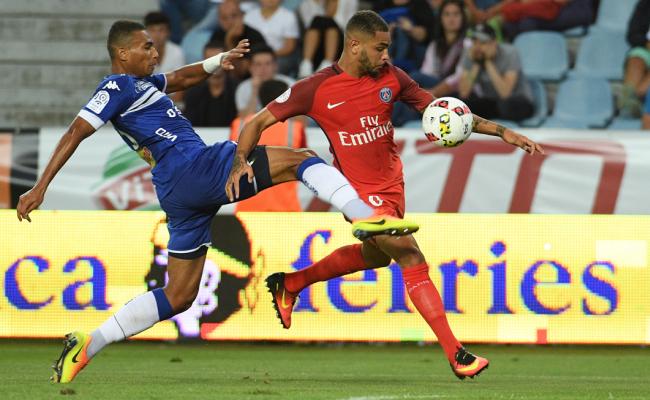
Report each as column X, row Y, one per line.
column 426, row 299
column 342, row 261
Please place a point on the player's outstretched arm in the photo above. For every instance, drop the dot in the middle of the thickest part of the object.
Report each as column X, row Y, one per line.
column 248, row 139
column 487, row 127
column 192, row 74
column 30, row 200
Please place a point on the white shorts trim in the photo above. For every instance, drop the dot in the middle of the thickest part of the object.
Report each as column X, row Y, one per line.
column 208, row 244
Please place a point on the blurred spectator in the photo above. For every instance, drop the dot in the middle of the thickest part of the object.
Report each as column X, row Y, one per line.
column 573, row 14
column 232, row 28
column 178, row 10
column 412, row 28
column 291, row 5
column 264, row 67
column 290, row 133
column 440, row 69
column 492, row 83
column 477, row 9
column 280, row 29
column 200, row 34
column 636, row 80
column 170, row 55
column 212, row 102
column 646, row 112
column 323, row 40
column 513, row 11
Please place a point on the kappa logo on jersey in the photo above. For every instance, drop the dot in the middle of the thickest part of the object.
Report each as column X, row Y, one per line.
column 385, row 94
column 111, row 85
column 141, row 86
column 99, row 101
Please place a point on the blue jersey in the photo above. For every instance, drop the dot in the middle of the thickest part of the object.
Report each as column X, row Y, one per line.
column 149, row 122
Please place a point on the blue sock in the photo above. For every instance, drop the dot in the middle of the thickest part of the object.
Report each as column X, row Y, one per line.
column 165, row 310
column 306, row 164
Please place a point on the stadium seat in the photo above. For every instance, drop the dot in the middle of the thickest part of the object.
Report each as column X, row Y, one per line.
column 578, row 31
column 614, row 15
column 543, row 55
column 541, row 105
column 553, row 122
column 625, row 124
column 601, row 55
column 582, row 103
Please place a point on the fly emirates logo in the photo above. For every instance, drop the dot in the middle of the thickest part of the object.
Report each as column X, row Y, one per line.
column 372, row 131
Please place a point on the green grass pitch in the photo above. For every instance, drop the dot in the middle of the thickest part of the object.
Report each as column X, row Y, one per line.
column 154, row 370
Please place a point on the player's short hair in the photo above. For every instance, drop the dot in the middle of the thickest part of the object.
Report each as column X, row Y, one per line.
column 366, row 22
column 120, row 34
column 156, row 18
column 271, row 89
column 261, row 49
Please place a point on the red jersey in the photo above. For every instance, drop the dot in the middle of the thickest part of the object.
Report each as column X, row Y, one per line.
column 355, row 115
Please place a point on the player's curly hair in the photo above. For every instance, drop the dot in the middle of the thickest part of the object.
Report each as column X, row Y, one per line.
column 120, row 33
column 367, row 22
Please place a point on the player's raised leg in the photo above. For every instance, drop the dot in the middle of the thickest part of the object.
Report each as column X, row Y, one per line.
column 326, row 182
column 137, row 315
column 345, row 260
column 427, row 301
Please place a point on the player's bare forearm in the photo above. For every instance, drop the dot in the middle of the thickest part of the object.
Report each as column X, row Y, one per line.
column 487, row 127
column 248, row 139
column 78, row 131
column 250, row 135
column 30, row 200
column 185, row 77
column 193, row 74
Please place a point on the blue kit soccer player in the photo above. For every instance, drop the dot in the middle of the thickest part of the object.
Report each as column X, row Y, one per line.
column 189, row 176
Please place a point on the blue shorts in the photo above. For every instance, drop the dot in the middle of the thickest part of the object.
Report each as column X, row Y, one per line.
column 199, row 193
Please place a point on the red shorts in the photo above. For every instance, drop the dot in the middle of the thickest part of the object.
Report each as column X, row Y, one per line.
column 386, row 202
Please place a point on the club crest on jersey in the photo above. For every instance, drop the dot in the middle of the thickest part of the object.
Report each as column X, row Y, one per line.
column 385, row 94
column 141, row 86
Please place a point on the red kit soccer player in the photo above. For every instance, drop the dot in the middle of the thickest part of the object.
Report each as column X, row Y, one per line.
column 352, row 102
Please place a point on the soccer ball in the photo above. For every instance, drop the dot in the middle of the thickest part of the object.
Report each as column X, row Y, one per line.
column 447, row 122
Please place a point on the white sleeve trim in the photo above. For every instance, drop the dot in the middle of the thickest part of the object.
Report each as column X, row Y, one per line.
column 91, row 118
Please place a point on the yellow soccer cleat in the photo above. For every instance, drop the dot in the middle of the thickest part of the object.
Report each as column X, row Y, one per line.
column 73, row 358
column 363, row 229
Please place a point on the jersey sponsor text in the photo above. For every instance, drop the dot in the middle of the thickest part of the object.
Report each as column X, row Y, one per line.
column 373, row 131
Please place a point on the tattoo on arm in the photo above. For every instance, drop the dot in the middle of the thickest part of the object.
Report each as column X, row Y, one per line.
column 482, row 125
column 500, row 130
column 236, row 164
column 476, row 122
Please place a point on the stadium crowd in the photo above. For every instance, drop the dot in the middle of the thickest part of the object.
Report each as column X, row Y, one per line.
column 463, row 48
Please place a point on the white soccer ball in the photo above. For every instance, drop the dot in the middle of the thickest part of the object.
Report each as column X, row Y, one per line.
column 447, row 122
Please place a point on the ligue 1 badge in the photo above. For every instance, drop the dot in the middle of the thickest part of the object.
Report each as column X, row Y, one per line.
column 385, row 94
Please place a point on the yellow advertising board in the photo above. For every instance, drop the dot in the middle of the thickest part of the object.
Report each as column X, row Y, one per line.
column 503, row 278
